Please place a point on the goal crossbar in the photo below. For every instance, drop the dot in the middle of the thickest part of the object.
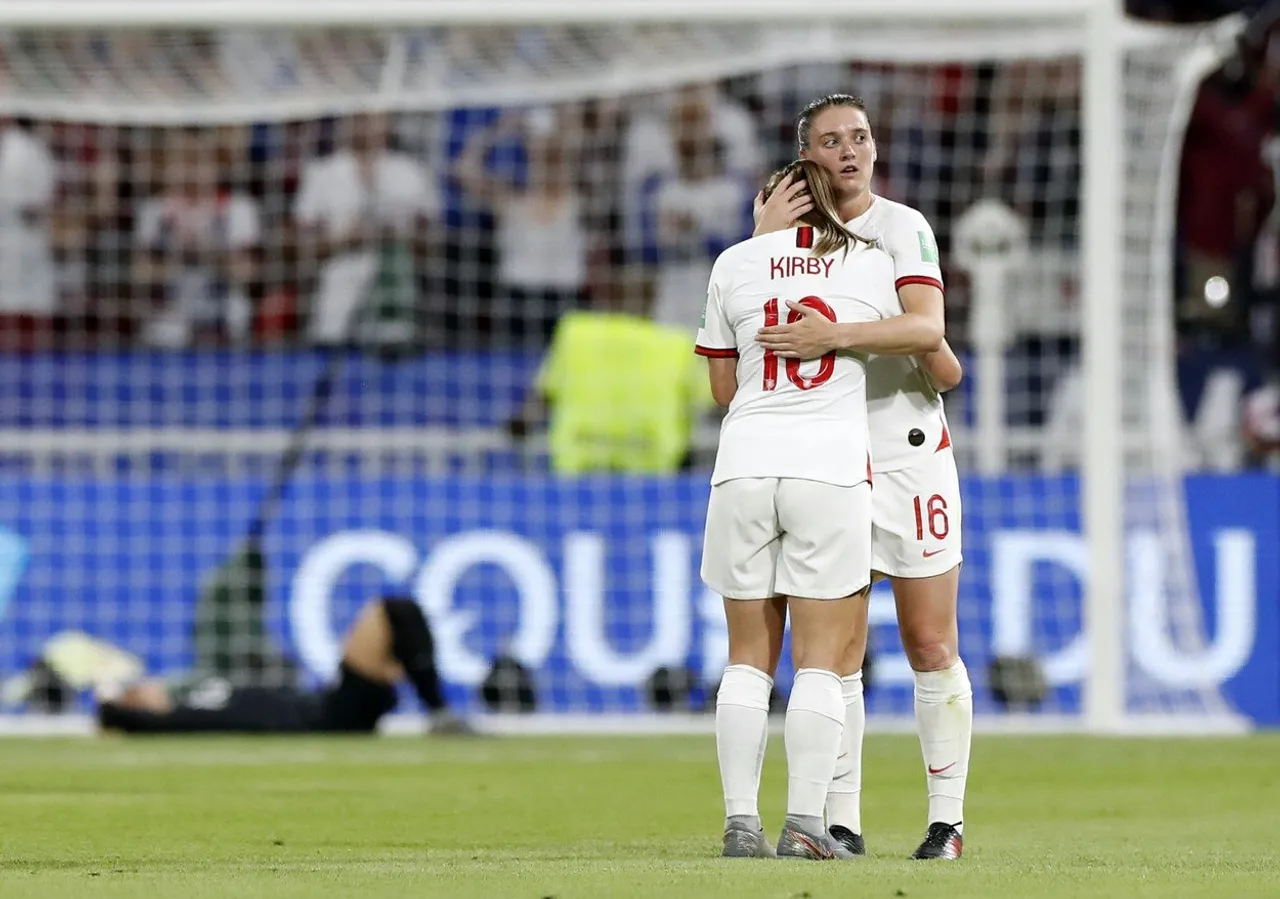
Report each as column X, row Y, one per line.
column 389, row 13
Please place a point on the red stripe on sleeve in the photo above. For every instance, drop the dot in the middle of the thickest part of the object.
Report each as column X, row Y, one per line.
column 716, row 352
column 804, row 237
column 917, row 279
column 945, row 441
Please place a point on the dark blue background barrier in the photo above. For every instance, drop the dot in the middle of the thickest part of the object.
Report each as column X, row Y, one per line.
column 594, row 582
column 236, row 389
column 269, row 389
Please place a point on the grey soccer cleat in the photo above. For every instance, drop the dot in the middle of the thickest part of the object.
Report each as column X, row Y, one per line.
column 796, row 842
column 739, row 842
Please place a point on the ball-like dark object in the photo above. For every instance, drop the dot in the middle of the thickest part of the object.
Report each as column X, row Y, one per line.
column 508, row 687
column 915, row 437
column 48, row 693
column 1017, row 683
column 669, row 689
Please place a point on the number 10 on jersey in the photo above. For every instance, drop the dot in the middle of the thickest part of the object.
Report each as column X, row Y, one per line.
column 826, row 366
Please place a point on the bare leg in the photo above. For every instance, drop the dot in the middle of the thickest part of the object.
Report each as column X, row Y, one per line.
column 146, row 696
column 927, row 619
column 367, row 648
column 390, row 641
column 822, row 630
column 756, row 628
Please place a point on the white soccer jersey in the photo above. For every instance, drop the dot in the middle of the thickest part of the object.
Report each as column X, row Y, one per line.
column 905, row 414
column 792, row 419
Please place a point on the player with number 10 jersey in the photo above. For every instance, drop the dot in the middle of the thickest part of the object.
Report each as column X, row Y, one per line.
column 788, row 530
column 791, row 419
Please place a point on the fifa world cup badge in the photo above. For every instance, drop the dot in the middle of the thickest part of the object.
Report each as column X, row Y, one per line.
column 928, row 249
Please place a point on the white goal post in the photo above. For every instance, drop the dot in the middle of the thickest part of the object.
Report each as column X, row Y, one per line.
column 395, row 13
column 1096, row 30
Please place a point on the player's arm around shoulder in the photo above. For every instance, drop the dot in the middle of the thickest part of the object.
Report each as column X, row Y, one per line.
column 918, row 331
column 920, row 328
column 909, row 240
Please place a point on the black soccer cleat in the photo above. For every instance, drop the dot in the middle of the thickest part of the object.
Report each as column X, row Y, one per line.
column 942, row 841
column 848, row 843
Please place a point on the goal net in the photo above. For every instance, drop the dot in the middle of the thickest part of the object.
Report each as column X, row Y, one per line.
column 210, row 237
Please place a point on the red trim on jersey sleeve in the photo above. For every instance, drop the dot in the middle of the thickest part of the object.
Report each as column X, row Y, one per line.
column 716, row 352
column 916, row 279
column 869, row 480
column 804, row 237
column 945, row 441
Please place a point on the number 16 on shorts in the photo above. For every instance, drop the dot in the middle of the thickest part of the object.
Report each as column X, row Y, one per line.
column 916, row 519
column 934, row 510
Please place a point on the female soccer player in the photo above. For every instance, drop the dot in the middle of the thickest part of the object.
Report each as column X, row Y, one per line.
column 789, row 518
column 916, row 509
column 389, row 641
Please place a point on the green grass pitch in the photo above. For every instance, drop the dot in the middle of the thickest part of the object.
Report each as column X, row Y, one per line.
column 627, row 817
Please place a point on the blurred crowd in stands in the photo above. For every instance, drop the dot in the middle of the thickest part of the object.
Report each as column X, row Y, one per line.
column 480, row 227
column 1228, row 257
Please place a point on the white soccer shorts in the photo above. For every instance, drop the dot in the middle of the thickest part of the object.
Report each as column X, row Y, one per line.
column 787, row 537
column 916, row 518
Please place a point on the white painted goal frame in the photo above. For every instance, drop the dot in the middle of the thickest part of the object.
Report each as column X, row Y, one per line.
column 1095, row 29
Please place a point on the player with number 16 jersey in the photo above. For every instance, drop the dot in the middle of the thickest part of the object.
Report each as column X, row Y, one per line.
column 917, row 499
column 916, row 516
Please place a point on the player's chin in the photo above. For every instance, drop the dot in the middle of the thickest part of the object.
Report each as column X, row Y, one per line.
column 855, row 182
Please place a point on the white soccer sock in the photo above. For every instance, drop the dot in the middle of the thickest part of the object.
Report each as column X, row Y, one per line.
column 742, row 730
column 944, row 719
column 815, row 719
column 844, row 799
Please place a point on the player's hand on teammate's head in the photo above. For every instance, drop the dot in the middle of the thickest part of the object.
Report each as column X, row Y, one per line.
column 784, row 207
column 809, row 337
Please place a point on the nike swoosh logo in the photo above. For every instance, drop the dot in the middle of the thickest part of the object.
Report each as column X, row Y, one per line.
column 933, row 770
column 928, row 553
